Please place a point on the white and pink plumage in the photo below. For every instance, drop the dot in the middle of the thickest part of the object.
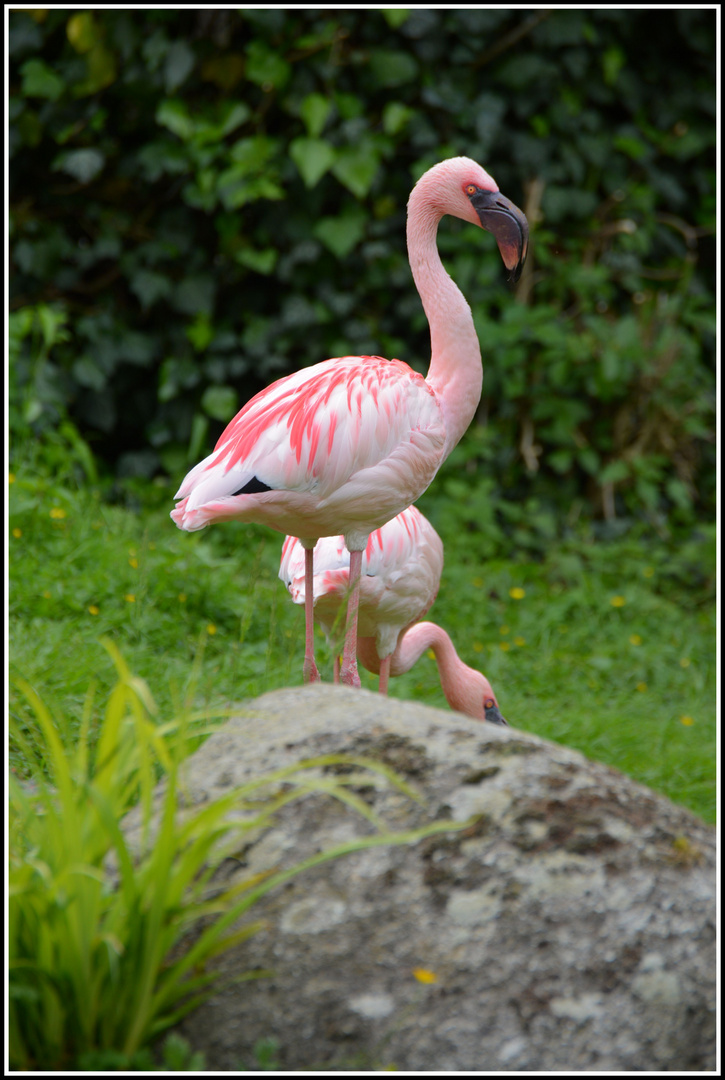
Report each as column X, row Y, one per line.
column 345, row 445
column 401, row 573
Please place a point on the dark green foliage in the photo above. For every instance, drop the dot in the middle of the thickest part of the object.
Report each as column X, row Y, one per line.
column 204, row 200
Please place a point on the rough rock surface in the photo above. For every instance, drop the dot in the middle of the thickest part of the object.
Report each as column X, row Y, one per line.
column 570, row 929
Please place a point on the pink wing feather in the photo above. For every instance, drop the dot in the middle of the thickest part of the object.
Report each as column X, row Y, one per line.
column 342, row 445
column 401, row 572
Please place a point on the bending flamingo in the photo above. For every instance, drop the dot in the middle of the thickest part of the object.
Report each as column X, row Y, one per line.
column 345, row 445
column 401, row 572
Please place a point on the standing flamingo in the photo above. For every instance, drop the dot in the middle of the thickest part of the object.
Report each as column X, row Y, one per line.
column 345, row 445
column 401, row 572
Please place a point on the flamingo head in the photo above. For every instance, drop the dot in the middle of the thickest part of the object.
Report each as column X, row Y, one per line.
column 461, row 187
column 498, row 215
column 491, row 710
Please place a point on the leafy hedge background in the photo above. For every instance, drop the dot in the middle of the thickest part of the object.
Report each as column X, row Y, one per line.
column 205, row 200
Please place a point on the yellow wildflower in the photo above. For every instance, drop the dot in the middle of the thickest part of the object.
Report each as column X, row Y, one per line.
column 505, row 645
column 93, row 609
column 687, row 721
column 504, row 630
column 58, row 512
column 182, row 597
column 17, row 533
column 635, row 639
column 519, row 641
column 642, row 686
column 685, row 661
column 211, row 628
column 130, row 598
column 425, row 976
column 618, row 601
column 517, row 593
column 133, row 563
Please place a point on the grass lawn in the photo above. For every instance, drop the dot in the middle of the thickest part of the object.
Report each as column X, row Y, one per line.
column 608, row 648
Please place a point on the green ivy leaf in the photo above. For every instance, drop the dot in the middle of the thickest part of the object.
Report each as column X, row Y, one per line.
column 589, row 460
column 314, row 110
column 341, row 234
column 631, row 146
column 82, row 31
column 235, row 189
column 84, row 164
column 52, row 322
column 252, row 154
column 201, row 332
column 178, row 65
column 265, row 67
column 262, row 261
column 194, row 295
column 150, row 287
column 40, row 81
column 395, row 117
column 614, row 472
column 392, row 68
column 88, row 374
column 395, row 17
column 356, row 167
column 231, row 116
column 101, row 71
column 560, row 460
column 612, row 63
column 173, row 114
column 219, row 402
column 313, row 158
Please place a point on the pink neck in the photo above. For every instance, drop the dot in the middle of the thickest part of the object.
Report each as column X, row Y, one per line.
column 464, row 687
column 455, row 371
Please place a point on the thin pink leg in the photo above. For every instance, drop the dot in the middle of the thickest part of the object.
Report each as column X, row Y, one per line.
column 349, row 675
column 384, row 674
column 309, row 668
column 336, row 671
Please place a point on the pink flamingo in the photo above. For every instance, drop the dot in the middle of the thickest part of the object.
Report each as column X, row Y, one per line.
column 401, row 572
column 345, row 445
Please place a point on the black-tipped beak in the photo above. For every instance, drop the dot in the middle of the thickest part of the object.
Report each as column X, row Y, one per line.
column 493, row 716
column 498, row 215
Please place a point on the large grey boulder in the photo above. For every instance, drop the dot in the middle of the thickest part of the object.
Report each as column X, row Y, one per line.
column 570, row 929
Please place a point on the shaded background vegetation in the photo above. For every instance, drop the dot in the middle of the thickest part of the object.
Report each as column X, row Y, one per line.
column 203, row 201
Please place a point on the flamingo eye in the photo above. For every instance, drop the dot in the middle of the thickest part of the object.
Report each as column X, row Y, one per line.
column 488, row 703
column 471, row 189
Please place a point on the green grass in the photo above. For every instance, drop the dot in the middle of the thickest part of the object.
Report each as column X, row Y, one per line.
column 629, row 681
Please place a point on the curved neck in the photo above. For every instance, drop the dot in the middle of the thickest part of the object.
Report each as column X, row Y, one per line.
column 463, row 687
column 455, row 372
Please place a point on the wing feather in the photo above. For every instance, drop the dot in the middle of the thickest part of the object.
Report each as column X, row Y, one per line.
column 314, row 430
